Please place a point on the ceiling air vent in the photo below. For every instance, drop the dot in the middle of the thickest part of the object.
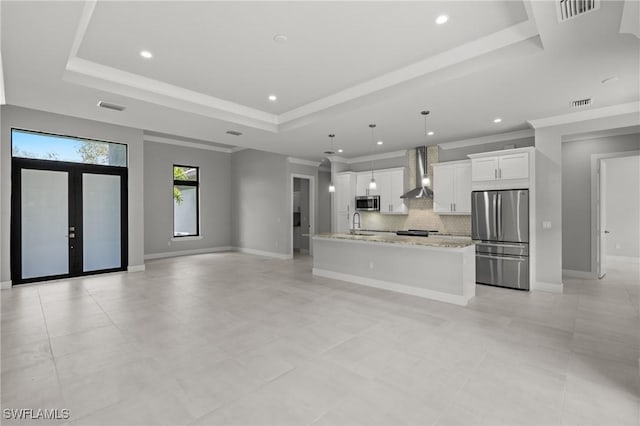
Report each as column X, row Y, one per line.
column 233, row 132
column 569, row 9
column 581, row 103
column 107, row 105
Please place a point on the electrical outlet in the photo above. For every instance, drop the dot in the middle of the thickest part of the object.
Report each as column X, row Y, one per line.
column 370, row 265
column 618, row 246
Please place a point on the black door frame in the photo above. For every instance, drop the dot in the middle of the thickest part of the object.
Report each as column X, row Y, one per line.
column 75, row 171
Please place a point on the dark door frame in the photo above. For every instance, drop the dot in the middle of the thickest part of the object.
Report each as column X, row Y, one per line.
column 75, row 171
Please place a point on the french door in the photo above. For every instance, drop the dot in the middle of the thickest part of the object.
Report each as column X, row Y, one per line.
column 67, row 220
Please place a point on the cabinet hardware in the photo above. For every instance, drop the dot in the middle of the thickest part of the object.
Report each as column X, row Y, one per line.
column 500, row 173
column 495, row 173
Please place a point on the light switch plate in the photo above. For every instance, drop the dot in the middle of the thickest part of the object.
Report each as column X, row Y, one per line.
column 546, row 224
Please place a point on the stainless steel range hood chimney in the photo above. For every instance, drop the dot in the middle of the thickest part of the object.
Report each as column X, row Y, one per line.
column 420, row 191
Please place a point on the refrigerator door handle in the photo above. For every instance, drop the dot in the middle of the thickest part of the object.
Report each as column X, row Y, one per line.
column 514, row 258
column 499, row 217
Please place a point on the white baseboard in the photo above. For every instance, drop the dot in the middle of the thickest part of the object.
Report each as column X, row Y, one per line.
column 263, row 253
column 548, row 287
column 136, row 268
column 628, row 259
column 187, row 252
column 586, row 275
column 5, row 285
column 398, row 288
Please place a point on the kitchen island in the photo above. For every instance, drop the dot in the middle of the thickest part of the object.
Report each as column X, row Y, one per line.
column 435, row 267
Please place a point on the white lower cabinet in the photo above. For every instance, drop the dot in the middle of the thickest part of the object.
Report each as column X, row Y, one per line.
column 452, row 187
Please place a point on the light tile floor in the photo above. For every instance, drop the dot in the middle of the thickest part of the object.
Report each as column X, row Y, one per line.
column 230, row 338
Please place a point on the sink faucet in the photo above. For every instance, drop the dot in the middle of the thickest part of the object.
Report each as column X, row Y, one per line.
column 353, row 221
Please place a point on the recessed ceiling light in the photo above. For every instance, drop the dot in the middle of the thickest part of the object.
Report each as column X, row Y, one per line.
column 280, row 38
column 442, row 19
column 497, row 120
column 380, row 142
column 610, row 79
column 273, row 98
column 340, row 150
column 146, row 54
column 430, row 134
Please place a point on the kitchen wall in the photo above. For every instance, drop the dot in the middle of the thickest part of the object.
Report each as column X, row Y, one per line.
column 623, row 206
column 215, row 198
column 261, row 219
column 29, row 119
column 576, row 195
column 455, row 154
column 421, row 215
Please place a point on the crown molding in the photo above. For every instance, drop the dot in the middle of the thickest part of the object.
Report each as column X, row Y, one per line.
column 105, row 78
column 303, row 162
column 602, row 134
column 591, row 114
column 169, row 141
column 500, row 137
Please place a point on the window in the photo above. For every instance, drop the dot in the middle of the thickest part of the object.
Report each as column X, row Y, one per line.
column 186, row 215
column 42, row 146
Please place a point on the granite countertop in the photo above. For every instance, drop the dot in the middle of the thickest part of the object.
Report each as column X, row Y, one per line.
column 430, row 241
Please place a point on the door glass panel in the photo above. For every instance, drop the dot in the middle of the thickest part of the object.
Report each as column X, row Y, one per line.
column 101, row 222
column 45, row 222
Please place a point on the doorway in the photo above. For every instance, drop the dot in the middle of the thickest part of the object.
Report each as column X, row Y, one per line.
column 302, row 213
column 67, row 219
column 617, row 208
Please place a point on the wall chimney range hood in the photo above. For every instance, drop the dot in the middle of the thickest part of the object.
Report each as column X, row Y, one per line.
column 420, row 190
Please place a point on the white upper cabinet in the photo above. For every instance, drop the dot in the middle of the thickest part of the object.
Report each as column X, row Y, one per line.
column 514, row 166
column 507, row 169
column 452, row 187
column 484, row 169
column 389, row 186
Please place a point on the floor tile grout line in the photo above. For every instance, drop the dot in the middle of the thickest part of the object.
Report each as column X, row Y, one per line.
column 53, row 357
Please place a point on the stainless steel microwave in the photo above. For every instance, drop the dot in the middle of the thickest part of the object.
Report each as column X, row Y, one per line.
column 369, row 203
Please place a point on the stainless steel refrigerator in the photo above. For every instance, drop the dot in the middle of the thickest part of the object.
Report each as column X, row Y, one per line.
column 500, row 224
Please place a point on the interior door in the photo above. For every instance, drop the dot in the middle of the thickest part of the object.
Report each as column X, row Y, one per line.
column 602, row 220
column 67, row 220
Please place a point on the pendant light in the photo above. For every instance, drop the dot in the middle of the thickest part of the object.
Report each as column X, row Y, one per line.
column 332, row 187
column 425, row 177
column 372, row 183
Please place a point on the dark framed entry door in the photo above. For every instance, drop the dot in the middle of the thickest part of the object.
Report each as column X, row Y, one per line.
column 67, row 220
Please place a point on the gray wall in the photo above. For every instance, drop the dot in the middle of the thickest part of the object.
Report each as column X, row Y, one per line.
column 29, row 119
column 324, row 202
column 215, row 197
column 623, row 206
column 261, row 208
column 455, row 154
column 576, row 195
column 387, row 163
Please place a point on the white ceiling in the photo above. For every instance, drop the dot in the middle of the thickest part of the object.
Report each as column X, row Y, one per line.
column 346, row 64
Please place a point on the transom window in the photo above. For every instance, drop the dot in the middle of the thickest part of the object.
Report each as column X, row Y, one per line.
column 186, row 198
column 44, row 146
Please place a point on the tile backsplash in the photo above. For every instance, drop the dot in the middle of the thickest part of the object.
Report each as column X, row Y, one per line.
column 421, row 215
